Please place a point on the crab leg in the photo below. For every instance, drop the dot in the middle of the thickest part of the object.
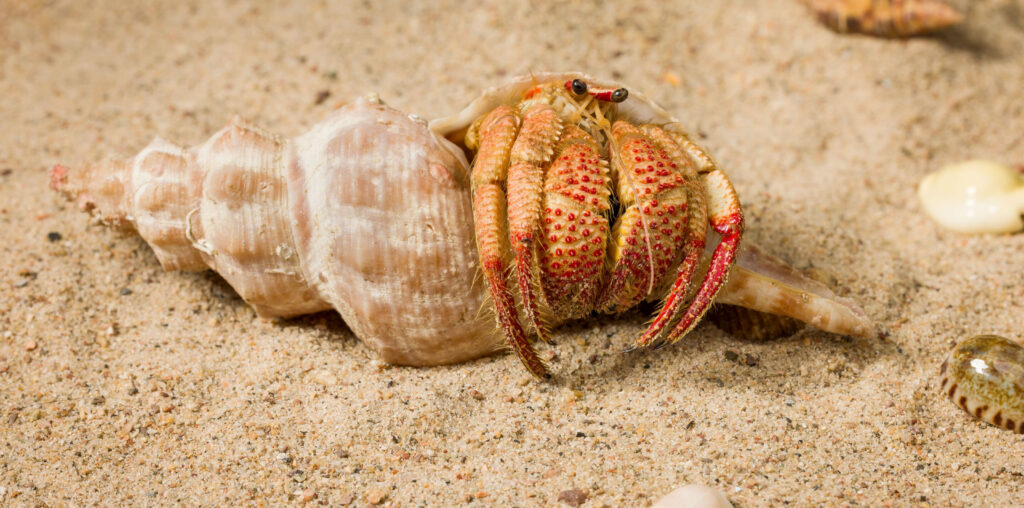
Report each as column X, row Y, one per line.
column 495, row 135
column 727, row 220
column 532, row 150
column 488, row 212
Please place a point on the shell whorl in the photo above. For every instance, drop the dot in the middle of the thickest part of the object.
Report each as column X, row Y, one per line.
column 367, row 213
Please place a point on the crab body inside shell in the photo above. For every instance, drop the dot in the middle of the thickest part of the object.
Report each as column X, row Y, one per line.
column 593, row 212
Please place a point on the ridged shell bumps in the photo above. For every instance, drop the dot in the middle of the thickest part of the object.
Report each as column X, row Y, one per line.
column 368, row 213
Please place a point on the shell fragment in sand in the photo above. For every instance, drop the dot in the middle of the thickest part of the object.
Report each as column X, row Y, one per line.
column 975, row 196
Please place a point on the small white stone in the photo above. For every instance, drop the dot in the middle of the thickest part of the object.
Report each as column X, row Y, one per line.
column 694, row 496
column 323, row 377
column 974, row 197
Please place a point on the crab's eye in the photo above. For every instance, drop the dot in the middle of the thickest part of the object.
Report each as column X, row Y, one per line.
column 578, row 87
column 620, row 95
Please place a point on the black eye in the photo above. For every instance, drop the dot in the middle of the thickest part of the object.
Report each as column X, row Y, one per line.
column 579, row 87
column 620, row 95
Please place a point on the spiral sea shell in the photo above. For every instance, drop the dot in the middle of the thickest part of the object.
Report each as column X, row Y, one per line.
column 368, row 213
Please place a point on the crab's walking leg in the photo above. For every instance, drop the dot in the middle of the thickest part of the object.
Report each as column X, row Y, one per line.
column 680, row 148
column 532, row 150
column 727, row 220
column 495, row 136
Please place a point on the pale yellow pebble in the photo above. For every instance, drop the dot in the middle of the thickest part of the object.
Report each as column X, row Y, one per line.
column 693, row 496
column 323, row 377
column 671, row 78
column 975, row 196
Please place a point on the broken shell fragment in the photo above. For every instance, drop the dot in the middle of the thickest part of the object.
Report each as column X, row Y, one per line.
column 976, row 196
column 984, row 375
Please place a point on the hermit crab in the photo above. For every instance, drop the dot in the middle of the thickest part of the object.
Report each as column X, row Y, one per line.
column 559, row 158
column 582, row 196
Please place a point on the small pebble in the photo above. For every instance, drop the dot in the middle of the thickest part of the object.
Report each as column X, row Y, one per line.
column 376, row 496
column 306, row 496
column 694, row 496
column 976, row 196
column 323, row 377
column 984, row 375
column 30, row 345
column 53, row 236
column 573, row 497
column 125, row 291
column 321, row 96
column 476, row 394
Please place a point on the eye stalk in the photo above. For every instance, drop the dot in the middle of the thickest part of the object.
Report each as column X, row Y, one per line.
column 580, row 87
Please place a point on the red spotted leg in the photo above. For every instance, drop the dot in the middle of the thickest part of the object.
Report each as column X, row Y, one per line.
column 726, row 218
column 494, row 136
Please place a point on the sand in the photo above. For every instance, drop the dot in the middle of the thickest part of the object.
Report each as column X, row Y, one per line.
column 121, row 384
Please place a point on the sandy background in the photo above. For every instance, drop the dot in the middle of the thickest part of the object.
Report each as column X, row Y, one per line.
column 121, row 384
